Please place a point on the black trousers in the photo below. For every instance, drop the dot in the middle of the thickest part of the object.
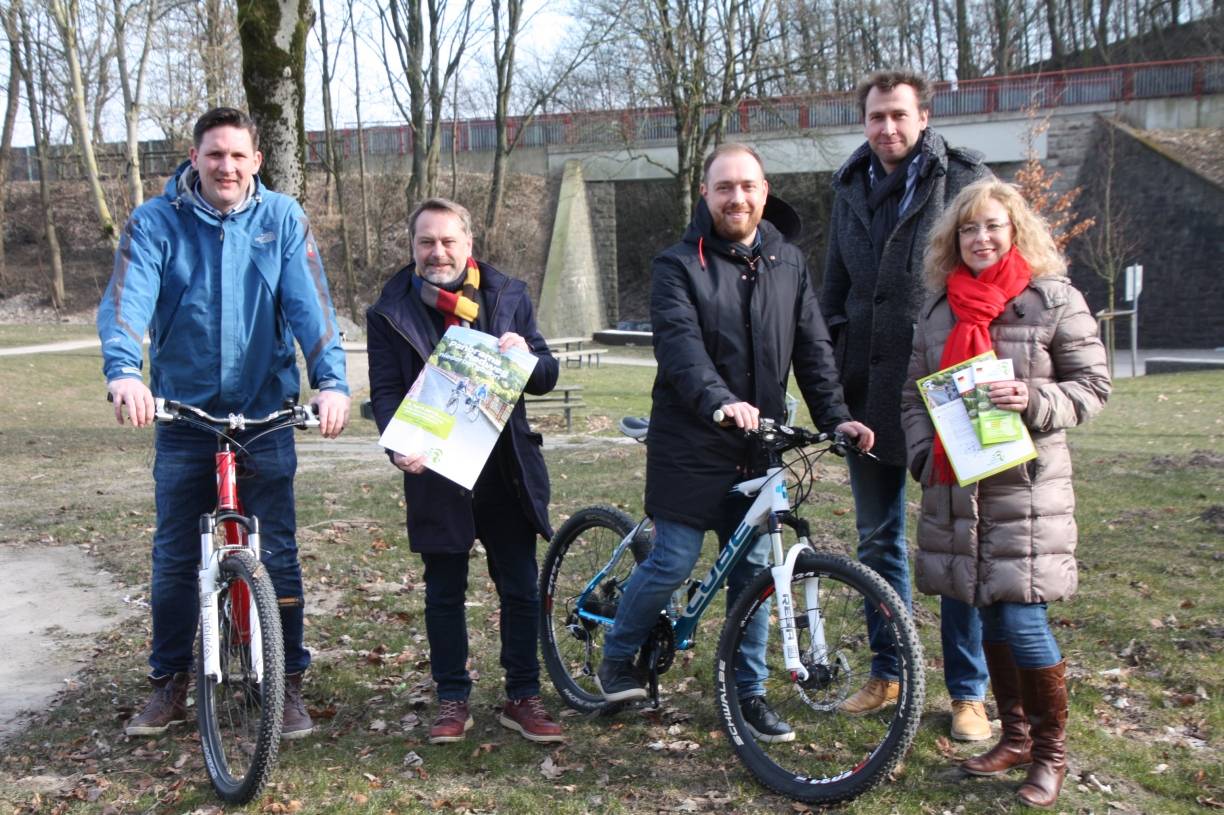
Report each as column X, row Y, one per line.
column 509, row 541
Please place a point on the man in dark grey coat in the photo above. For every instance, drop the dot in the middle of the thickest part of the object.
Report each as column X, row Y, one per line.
column 733, row 309
column 887, row 196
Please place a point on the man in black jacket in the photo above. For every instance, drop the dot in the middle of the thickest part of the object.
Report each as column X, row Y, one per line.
column 887, row 196
column 508, row 506
column 732, row 308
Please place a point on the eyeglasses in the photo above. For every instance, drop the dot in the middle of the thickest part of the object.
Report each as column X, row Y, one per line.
column 993, row 229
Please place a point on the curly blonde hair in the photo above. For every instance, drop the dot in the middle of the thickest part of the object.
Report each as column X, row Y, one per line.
column 1031, row 232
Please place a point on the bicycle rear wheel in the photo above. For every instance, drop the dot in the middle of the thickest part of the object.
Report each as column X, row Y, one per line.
column 834, row 756
column 573, row 646
column 240, row 716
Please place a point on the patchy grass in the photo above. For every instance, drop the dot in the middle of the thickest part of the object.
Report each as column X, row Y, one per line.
column 1144, row 637
column 39, row 333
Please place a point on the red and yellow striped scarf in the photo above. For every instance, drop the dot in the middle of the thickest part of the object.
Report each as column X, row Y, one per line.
column 458, row 307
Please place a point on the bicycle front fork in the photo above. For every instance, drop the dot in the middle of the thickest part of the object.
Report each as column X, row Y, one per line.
column 240, row 613
column 789, row 622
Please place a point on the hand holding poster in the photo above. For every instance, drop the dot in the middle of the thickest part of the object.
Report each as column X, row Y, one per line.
column 457, row 407
column 950, row 398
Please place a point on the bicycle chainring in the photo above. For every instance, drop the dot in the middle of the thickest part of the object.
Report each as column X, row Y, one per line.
column 662, row 642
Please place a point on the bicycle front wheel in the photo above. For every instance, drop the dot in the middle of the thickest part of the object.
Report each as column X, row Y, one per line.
column 573, row 645
column 240, row 716
column 832, row 756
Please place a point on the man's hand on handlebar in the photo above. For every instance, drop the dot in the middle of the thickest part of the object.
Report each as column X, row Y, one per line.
column 332, row 408
column 862, row 435
column 136, row 395
column 744, row 415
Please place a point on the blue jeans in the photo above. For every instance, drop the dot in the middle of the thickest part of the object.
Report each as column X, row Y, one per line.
column 879, row 498
column 509, row 541
column 185, row 487
column 1024, row 627
column 675, row 552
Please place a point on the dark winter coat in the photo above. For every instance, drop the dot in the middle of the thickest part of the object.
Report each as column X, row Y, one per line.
column 1010, row 537
column 871, row 306
column 401, row 335
column 709, row 357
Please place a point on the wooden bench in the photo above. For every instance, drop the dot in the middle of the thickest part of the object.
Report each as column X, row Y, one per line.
column 564, row 398
column 578, row 355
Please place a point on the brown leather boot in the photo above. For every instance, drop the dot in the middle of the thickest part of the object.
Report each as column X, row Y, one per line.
column 167, row 705
column 1015, row 746
column 1044, row 691
column 297, row 723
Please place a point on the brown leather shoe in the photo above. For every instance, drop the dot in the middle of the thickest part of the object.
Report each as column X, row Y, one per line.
column 530, row 719
column 452, row 722
column 167, row 705
column 1015, row 746
column 876, row 694
column 297, row 723
column 1045, row 701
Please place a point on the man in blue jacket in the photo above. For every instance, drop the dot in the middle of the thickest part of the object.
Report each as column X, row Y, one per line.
column 507, row 508
column 224, row 274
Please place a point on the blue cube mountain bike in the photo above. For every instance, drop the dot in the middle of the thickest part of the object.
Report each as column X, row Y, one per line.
column 818, row 652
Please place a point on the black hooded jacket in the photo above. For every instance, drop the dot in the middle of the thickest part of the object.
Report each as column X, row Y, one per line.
column 719, row 338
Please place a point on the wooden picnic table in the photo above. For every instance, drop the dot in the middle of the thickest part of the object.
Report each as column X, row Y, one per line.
column 565, row 343
column 563, row 398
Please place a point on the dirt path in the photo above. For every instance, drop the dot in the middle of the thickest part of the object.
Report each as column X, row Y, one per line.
column 50, row 347
column 56, row 599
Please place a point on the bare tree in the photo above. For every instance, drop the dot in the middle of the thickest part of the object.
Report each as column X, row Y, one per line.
column 429, row 45
column 132, row 83
column 65, row 13
column 31, row 42
column 361, row 154
column 334, row 159
column 273, row 34
column 11, row 105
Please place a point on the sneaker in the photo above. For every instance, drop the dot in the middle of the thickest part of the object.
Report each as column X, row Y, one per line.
column 530, row 719
column 763, row 723
column 167, row 705
column 616, row 681
column 452, row 722
column 297, row 723
column 969, row 720
column 876, row 694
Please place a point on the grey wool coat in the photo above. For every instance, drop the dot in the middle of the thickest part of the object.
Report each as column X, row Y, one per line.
column 1010, row 537
column 869, row 306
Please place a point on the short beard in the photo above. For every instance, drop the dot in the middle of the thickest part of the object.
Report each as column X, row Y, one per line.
column 441, row 276
column 723, row 228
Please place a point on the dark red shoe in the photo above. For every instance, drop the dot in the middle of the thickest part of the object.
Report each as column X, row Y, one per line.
column 530, row 719
column 452, row 723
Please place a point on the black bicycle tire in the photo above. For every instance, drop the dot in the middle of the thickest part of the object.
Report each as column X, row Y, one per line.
column 618, row 524
column 239, row 789
column 903, row 727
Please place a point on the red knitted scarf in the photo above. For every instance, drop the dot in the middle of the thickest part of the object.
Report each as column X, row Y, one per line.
column 976, row 302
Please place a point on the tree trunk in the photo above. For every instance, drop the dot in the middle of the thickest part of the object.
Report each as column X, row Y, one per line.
column 133, row 93
column 361, row 156
column 273, row 34
column 1056, row 43
column 65, row 17
column 504, row 44
column 40, row 148
column 408, row 34
column 12, row 103
column 333, row 151
column 964, row 52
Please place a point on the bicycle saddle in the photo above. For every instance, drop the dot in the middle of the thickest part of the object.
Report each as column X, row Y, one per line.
column 635, row 427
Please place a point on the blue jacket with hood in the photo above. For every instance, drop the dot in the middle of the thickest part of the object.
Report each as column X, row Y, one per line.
column 222, row 297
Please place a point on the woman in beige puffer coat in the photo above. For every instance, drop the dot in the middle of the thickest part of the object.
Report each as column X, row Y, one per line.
column 1007, row 543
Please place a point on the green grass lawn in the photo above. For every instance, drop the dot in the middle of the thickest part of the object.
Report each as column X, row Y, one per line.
column 1144, row 637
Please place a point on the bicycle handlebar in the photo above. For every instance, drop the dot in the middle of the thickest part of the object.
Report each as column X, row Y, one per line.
column 780, row 437
column 168, row 410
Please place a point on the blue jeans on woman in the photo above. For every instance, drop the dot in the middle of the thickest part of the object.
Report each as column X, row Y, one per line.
column 879, row 504
column 676, row 548
column 185, row 487
column 1026, row 629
